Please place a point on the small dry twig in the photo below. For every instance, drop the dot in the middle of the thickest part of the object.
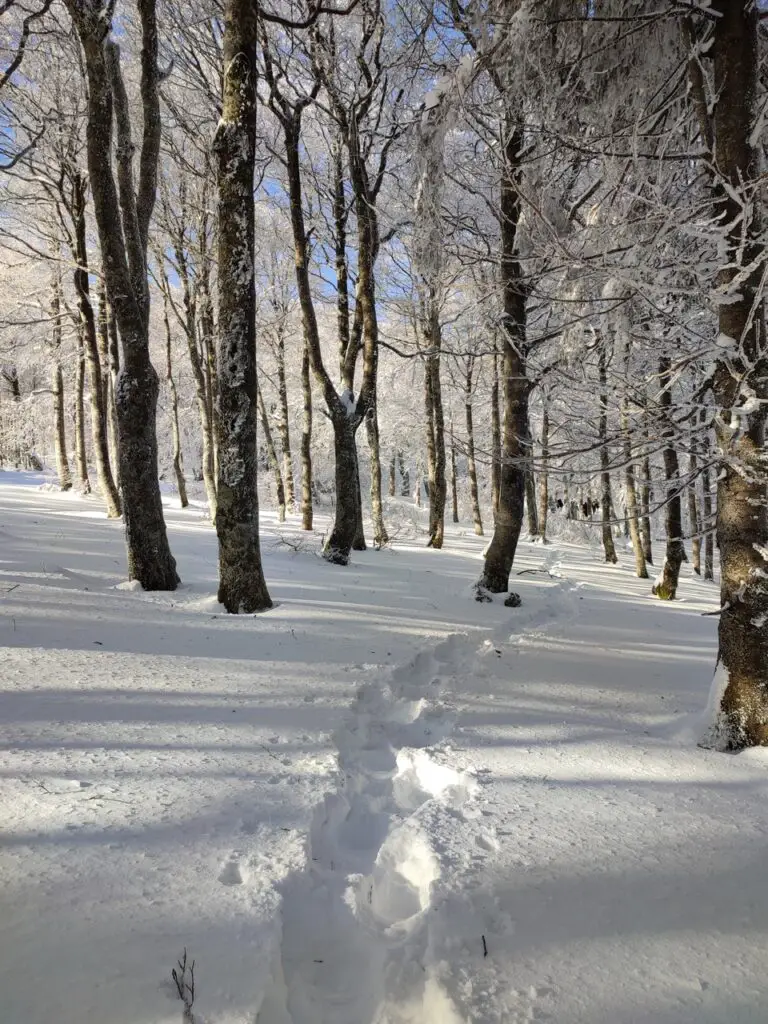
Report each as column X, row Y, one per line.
column 184, row 979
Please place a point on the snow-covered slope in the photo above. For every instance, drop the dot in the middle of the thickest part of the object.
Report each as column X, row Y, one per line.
column 380, row 803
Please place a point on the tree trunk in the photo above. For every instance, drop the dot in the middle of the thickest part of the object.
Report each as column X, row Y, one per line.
column 405, row 477
column 709, row 539
column 530, row 502
column 646, row 498
column 114, row 369
column 740, row 384
column 284, row 425
column 95, row 379
column 242, row 587
column 544, row 473
column 306, row 443
column 274, row 463
column 123, row 225
column 693, row 514
column 605, row 475
column 509, row 515
column 57, row 387
column 454, row 484
column 108, row 376
column 347, row 488
column 633, row 519
column 433, row 398
column 81, row 458
column 380, row 536
column 666, row 586
column 178, row 468
column 495, row 433
column 391, row 489
column 471, row 465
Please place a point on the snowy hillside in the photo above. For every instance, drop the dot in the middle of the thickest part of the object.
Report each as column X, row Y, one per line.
column 379, row 803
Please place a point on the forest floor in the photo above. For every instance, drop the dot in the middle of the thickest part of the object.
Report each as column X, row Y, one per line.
column 379, row 803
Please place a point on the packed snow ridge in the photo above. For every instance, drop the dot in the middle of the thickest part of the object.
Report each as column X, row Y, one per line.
column 357, row 921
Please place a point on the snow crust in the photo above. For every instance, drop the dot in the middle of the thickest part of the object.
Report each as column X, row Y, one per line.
column 381, row 803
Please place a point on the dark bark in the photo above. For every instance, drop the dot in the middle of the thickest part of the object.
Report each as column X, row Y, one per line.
column 694, row 525
column 81, row 457
column 242, row 587
column 306, row 443
column 495, row 433
column 284, row 423
column 122, row 216
column 178, row 467
column 57, row 386
column 544, row 472
column 392, row 476
column 516, row 385
column 108, row 375
column 99, row 441
column 633, row 518
column 605, row 476
column 274, row 463
column 471, row 465
column 433, row 400
column 646, row 497
column 531, row 507
column 709, row 540
column 454, row 484
column 666, row 587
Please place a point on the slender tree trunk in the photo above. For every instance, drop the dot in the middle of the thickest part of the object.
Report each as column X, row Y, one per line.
column 666, row 586
column 107, row 376
column 114, row 370
column 57, row 387
column 454, row 484
column 544, row 473
column 392, row 487
column 284, row 425
column 633, row 519
column 693, row 514
column 178, row 467
column 606, row 502
column 274, row 463
column 405, row 477
column 95, row 380
column 530, row 502
column 509, row 515
column 471, row 466
column 495, row 433
column 438, row 487
column 709, row 539
column 380, row 536
column 646, row 498
column 242, row 587
column 306, row 443
column 81, row 458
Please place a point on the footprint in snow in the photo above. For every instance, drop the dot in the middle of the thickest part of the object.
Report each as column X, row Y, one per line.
column 230, row 873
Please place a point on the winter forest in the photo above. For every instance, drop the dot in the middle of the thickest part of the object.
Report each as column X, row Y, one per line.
column 435, row 331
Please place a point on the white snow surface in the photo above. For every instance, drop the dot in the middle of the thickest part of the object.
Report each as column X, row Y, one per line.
column 380, row 803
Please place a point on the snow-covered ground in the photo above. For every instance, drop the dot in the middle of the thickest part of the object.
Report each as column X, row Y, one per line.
column 379, row 803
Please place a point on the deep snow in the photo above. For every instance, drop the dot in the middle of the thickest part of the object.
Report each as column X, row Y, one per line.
column 379, row 803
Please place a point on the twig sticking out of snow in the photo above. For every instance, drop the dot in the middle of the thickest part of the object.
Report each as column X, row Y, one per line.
column 184, row 979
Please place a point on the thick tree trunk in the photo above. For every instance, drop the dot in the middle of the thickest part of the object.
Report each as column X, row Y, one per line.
column 306, row 443
column 81, row 458
column 740, row 385
column 242, row 587
column 471, row 465
column 272, row 458
column 178, row 467
column 514, row 458
column 339, row 543
column 123, row 225
column 99, row 441
column 633, row 519
column 666, row 586
column 57, row 387
column 544, row 472
column 606, row 503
